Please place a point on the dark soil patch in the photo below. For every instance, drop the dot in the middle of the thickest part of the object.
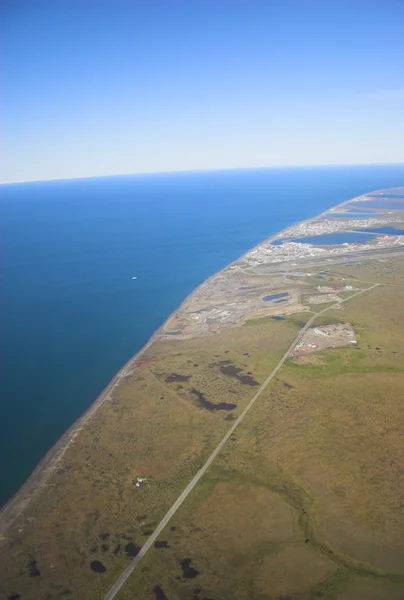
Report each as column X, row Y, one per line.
column 210, row 405
column 132, row 550
column 97, row 567
column 117, row 549
column 33, row 569
column 188, row 570
column 105, row 547
column 161, row 544
column 66, row 592
column 232, row 371
column 175, row 377
column 158, row 593
column 14, row 597
column 104, row 536
column 148, row 532
column 226, row 362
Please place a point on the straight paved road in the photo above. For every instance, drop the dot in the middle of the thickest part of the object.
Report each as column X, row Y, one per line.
column 150, row 541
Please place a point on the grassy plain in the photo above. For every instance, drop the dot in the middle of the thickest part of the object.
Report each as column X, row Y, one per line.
column 305, row 501
column 163, row 422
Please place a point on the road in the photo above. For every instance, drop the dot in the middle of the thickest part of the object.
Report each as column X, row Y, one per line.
column 150, row 541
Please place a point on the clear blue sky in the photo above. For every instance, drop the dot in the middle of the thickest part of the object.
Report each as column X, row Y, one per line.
column 126, row 86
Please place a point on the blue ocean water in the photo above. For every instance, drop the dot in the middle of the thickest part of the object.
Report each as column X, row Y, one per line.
column 71, row 312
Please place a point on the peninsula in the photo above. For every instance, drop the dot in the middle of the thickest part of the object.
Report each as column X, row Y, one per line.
column 254, row 449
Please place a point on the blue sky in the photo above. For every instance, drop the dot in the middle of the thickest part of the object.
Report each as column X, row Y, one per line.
column 128, row 86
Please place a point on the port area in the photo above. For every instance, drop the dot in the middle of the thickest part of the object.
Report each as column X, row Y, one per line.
column 324, row 337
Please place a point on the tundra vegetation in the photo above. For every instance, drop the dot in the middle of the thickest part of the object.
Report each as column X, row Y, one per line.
column 305, row 500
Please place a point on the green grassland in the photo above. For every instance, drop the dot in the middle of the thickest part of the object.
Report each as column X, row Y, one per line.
column 305, row 501
column 153, row 427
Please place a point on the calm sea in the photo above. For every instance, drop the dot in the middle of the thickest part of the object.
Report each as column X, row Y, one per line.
column 71, row 312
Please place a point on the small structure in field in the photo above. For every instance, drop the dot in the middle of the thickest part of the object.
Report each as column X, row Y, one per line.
column 323, row 299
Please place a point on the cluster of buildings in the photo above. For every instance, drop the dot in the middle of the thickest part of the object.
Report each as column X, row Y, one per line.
column 325, row 336
column 323, row 299
column 289, row 250
column 267, row 252
column 324, row 226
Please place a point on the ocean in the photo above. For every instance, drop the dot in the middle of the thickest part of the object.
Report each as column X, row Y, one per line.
column 71, row 313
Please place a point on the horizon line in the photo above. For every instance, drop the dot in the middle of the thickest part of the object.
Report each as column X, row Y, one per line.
column 203, row 170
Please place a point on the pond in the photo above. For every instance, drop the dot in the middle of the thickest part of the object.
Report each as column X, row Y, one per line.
column 275, row 296
column 385, row 230
column 401, row 196
column 333, row 239
column 385, row 204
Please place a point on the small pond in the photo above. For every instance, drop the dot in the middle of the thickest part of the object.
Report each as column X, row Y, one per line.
column 275, row 296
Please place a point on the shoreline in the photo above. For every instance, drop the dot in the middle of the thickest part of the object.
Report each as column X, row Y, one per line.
column 50, row 461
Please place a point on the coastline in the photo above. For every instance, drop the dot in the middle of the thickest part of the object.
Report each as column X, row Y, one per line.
column 44, row 469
